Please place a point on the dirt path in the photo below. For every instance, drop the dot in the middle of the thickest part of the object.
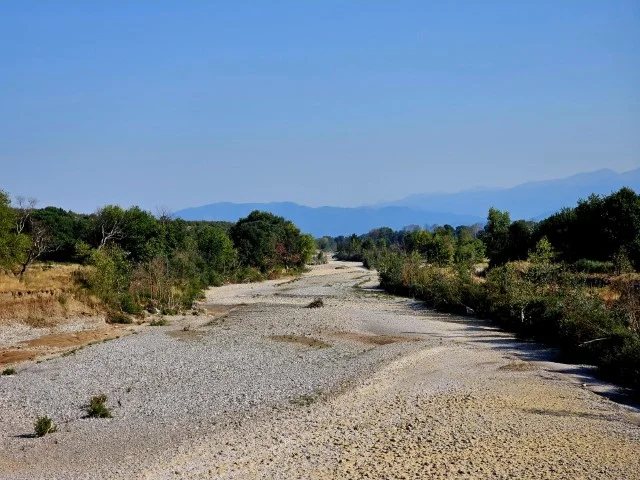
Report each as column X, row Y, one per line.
column 368, row 386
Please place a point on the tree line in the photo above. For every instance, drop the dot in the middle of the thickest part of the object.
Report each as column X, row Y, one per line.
column 569, row 280
column 136, row 260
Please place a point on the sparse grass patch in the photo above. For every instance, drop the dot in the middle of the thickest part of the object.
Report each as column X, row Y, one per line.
column 9, row 371
column 97, row 407
column 158, row 322
column 317, row 303
column 43, row 426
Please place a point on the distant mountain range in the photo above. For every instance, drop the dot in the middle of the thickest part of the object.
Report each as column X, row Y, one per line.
column 531, row 200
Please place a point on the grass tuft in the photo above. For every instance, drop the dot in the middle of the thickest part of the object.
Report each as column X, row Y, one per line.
column 9, row 371
column 97, row 407
column 43, row 426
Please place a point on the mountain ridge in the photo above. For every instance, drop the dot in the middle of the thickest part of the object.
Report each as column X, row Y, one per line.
column 530, row 200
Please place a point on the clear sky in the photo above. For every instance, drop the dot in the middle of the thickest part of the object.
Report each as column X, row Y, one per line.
column 182, row 103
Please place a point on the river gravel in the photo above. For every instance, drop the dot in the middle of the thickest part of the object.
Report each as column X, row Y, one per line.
column 223, row 396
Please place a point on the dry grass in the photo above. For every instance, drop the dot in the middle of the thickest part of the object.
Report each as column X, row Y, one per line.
column 43, row 296
column 41, row 277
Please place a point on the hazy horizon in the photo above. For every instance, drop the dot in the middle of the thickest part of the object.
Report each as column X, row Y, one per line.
column 178, row 105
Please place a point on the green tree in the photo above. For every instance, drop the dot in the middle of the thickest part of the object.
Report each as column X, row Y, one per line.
column 496, row 236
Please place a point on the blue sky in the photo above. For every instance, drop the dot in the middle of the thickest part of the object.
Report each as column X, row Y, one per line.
column 177, row 104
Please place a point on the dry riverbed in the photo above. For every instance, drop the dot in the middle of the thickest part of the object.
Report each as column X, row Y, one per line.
column 366, row 386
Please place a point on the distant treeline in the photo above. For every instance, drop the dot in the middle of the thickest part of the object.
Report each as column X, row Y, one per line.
column 137, row 260
column 570, row 280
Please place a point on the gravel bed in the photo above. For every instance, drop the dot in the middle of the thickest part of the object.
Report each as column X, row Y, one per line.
column 397, row 391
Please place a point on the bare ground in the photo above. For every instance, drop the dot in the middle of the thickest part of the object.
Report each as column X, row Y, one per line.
column 368, row 386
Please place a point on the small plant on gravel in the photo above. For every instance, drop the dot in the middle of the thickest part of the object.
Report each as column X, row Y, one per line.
column 9, row 371
column 97, row 407
column 317, row 303
column 186, row 328
column 158, row 322
column 44, row 425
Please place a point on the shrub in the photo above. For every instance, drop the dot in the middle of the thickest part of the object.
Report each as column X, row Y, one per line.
column 129, row 305
column 117, row 317
column 43, row 426
column 158, row 322
column 97, row 407
column 9, row 371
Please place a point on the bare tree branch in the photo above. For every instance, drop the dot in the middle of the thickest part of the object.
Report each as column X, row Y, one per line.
column 114, row 232
column 25, row 207
column 41, row 243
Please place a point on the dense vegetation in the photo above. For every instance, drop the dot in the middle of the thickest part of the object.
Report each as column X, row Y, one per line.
column 136, row 261
column 568, row 280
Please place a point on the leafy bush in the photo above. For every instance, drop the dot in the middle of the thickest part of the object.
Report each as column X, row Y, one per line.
column 43, row 426
column 97, row 407
column 129, row 305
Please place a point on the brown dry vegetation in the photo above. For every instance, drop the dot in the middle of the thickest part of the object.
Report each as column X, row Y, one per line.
column 44, row 296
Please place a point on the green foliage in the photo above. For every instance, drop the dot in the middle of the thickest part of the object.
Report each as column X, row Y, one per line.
column 268, row 242
column 599, row 228
column 43, row 426
column 13, row 246
column 111, row 274
column 543, row 253
column 97, row 407
column 593, row 266
column 543, row 301
column 496, row 236
column 9, row 371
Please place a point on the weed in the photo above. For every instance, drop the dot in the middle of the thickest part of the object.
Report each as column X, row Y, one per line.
column 44, row 425
column 9, row 371
column 317, row 303
column 97, row 407
column 186, row 328
column 158, row 322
